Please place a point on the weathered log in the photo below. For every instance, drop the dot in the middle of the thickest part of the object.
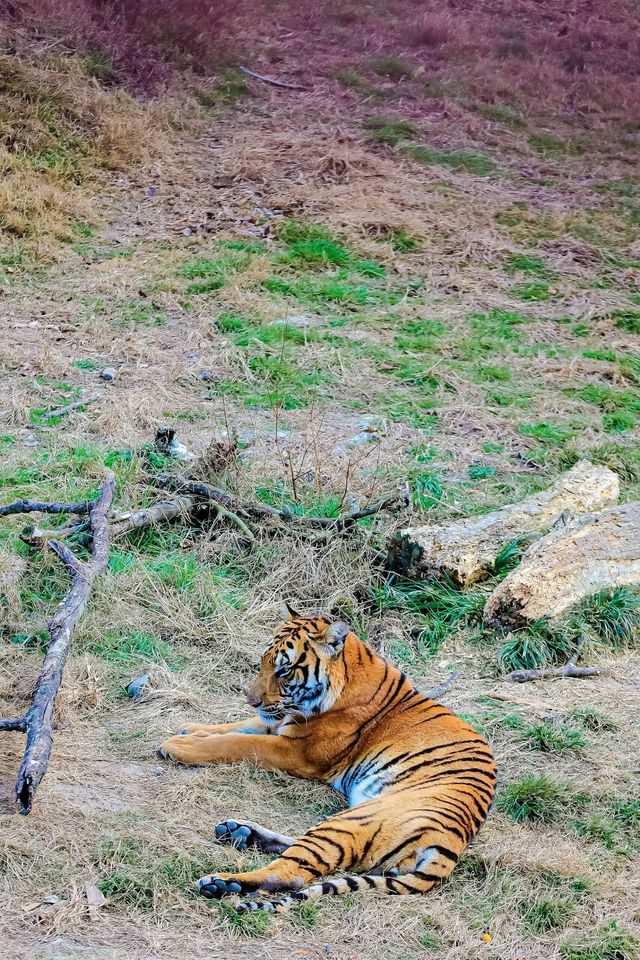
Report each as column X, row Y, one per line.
column 37, row 722
column 593, row 552
column 466, row 550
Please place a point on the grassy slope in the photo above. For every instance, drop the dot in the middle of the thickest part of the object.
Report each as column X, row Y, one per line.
column 419, row 268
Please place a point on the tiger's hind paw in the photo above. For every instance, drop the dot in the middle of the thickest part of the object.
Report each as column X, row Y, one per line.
column 239, row 835
column 244, row 835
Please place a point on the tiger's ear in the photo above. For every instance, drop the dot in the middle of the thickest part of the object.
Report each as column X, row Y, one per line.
column 288, row 613
column 331, row 641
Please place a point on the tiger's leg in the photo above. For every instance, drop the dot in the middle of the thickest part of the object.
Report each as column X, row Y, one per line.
column 272, row 753
column 358, row 836
column 378, row 835
column 244, row 835
column 250, row 725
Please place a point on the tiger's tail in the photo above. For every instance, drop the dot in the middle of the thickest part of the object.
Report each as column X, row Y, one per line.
column 432, row 867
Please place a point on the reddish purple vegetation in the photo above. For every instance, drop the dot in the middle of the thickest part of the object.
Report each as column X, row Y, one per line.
column 132, row 42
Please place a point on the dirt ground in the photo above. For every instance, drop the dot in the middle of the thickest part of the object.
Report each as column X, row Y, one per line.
column 422, row 270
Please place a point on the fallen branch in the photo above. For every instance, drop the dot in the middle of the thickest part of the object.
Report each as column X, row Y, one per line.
column 437, row 692
column 253, row 509
column 272, row 80
column 37, row 722
column 545, row 673
column 68, row 408
column 38, row 506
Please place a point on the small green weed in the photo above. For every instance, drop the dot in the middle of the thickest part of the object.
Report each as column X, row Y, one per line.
column 536, row 290
column 599, row 828
column 549, row 433
column 318, row 252
column 352, row 79
column 304, row 916
column 628, row 320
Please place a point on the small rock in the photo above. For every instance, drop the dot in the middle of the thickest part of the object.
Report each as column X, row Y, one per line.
column 364, row 437
column 158, row 771
column 109, row 373
column 151, row 191
column 180, row 452
column 136, row 688
column 187, row 232
column 208, row 375
column 298, row 320
column 30, row 442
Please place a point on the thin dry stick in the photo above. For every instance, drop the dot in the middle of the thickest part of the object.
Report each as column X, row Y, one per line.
column 69, row 408
column 568, row 670
column 37, row 722
column 272, row 80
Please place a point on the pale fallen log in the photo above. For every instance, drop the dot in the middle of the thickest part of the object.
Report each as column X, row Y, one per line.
column 593, row 552
column 466, row 550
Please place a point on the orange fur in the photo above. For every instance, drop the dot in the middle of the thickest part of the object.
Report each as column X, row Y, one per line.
column 419, row 780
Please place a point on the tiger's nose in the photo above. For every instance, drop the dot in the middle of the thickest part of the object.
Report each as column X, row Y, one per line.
column 252, row 699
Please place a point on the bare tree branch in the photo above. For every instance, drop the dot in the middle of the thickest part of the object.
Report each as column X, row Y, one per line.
column 38, row 506
column 37, row 722
column 437, row 692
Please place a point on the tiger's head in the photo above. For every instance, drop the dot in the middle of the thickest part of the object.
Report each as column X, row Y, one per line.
column 302, row 672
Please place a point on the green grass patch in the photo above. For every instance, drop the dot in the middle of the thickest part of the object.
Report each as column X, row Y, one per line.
column 395, row 68
column 255, row 923
column 549, row 145
column 547, row 433
column 526, row 263
column 614, row 615
column 353, row 80
column 535, row 290
column 208, row 275
column 553, row 738
column 627, row 320
column 501, row 113
column 538, row 800
column 543, row 915
column 389, row 130
column 468, row 161
column 127, row 648
column 610, row 942
column 537, row 646
column 590, row 718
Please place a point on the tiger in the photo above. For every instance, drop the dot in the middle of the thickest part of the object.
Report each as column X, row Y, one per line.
column 417, row 779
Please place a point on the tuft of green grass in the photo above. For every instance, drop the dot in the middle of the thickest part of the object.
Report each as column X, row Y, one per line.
column 395, row 68
column 352, row 79
column 536, row 290
column 541, row 916
column 610, row 942
column 510, row 555
column 319, row 251
column 614, row 615
column 469, row 161
column 549, row 145
column 253, row 923
column 304, row 916
column 526, row 263
column 209, row 274
column 537, row 646
column 546, row 432
column 551, row 738
column 389, row 130
column 301, row 231
column 501, row 113
column 127, row 648
column 598, row 828
column 628, row 320
column 538, row 799
column 592, row 719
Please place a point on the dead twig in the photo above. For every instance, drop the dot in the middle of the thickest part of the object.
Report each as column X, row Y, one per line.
column 37, row 722
column 545, row 673
column 437, row 692
column 272, row 80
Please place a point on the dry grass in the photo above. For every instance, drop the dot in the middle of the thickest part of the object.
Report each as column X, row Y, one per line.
column 499, row 345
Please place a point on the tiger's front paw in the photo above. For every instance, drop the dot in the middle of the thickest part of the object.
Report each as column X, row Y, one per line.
column 190, row 748
column 217, row 886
